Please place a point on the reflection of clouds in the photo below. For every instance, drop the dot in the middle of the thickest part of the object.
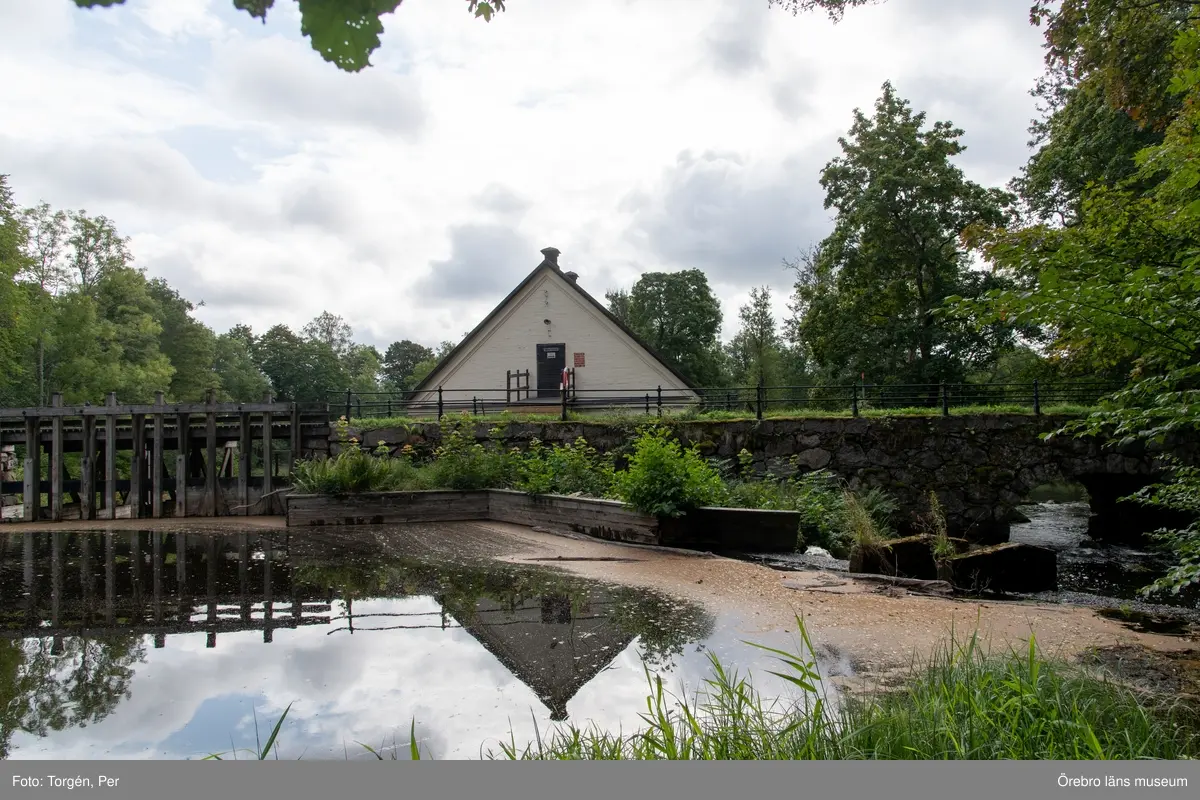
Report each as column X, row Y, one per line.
column 187, row 701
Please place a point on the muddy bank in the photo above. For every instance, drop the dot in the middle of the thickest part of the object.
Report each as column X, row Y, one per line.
column 879, row 628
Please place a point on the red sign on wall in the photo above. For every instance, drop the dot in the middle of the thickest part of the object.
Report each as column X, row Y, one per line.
column 579, row 360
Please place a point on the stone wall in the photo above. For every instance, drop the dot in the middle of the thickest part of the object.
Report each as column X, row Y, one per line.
column 980, row 466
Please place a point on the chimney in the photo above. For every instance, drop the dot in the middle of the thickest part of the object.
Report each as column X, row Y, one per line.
column 551, row 254
column 571, row 276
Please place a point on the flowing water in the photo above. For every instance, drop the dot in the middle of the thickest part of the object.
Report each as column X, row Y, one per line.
column 1090, row 573
column 178, row 645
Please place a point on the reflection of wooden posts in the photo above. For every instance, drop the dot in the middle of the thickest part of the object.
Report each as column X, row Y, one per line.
column 27, row 562
column 156, row 461
column 135, row 566
column 56, row 460
column 110, row 459
column 210, row 454
column 33, row 469
column 157, row 569
column 244, row 575
column 137, row 468
column 268, row 604
column 181, row 562
column 181, row 464
column 85, row 575
column 87, row 470
column 268, row 505
column 211, row 589
column 56, row 578
column 181, row 574
column 244, row 442
column 110, row 577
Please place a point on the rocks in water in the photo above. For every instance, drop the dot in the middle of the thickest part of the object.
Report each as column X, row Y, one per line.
column 1008, row 567
column 907, row 557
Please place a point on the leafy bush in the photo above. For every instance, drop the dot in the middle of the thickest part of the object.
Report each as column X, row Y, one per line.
column 665, row 479
column 462, row 463
column 575, row 468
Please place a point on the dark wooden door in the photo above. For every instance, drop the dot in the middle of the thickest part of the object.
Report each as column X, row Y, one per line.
column 551, row 358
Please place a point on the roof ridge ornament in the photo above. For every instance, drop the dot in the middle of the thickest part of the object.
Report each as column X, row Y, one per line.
column 551, row 254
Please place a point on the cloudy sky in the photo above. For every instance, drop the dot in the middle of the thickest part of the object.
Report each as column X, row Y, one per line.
column 633, row 135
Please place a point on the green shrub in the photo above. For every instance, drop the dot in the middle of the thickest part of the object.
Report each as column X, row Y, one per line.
column 574, row 468
column 462, row 463
column 665, row 479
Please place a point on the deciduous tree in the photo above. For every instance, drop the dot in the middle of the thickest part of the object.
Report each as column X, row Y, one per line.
column 869, row 301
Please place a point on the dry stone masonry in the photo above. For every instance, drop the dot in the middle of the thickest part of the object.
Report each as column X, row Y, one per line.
column 980, row 466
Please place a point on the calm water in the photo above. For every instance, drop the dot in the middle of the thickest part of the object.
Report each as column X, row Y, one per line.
column 170, row 645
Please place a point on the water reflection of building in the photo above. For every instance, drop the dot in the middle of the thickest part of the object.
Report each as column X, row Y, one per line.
column 107, row 584
column 549, row 646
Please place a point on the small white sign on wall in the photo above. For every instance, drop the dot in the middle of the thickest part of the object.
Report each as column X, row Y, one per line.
column 551, row 354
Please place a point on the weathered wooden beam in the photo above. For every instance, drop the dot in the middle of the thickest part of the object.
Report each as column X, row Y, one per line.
column 137, row 468
column 210, row 456
column 87, row 471
column 294, row 429
column 181, row 464
column 244, row 442
column 110, row 458
column 156, row 460
column 268, row 503
column 126, row 410
column 33, row 469
column 56, row 461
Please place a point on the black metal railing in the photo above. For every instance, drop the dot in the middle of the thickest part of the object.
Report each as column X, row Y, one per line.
column 855, row 398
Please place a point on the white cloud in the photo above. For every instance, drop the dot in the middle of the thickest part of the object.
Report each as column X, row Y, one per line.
column 243, row 162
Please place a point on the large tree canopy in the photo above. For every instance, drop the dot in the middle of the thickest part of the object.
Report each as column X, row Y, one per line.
column 868, row 300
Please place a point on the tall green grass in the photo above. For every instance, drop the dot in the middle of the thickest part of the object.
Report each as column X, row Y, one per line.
column 961, row 704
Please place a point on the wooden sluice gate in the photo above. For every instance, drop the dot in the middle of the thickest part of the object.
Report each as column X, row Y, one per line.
column 148, row 461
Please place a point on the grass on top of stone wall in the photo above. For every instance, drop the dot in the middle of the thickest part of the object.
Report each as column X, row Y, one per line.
column 631, row 417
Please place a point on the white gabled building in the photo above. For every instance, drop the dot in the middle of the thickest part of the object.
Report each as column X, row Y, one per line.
column 548, row 325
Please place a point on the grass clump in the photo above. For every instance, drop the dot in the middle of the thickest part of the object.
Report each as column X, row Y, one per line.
column 961, row 704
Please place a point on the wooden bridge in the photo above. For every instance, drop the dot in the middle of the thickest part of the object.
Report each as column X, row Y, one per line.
column 216, row 469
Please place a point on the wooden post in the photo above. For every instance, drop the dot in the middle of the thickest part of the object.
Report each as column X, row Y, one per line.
column 210, row 455
column 137, row 467
column 181, row 465
column 268, row 506
column 297, row 442
column 110, row 458
column 156, row 461
column 56, row 461
column 87, row 470
column 244, row 442
column 33, row 469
